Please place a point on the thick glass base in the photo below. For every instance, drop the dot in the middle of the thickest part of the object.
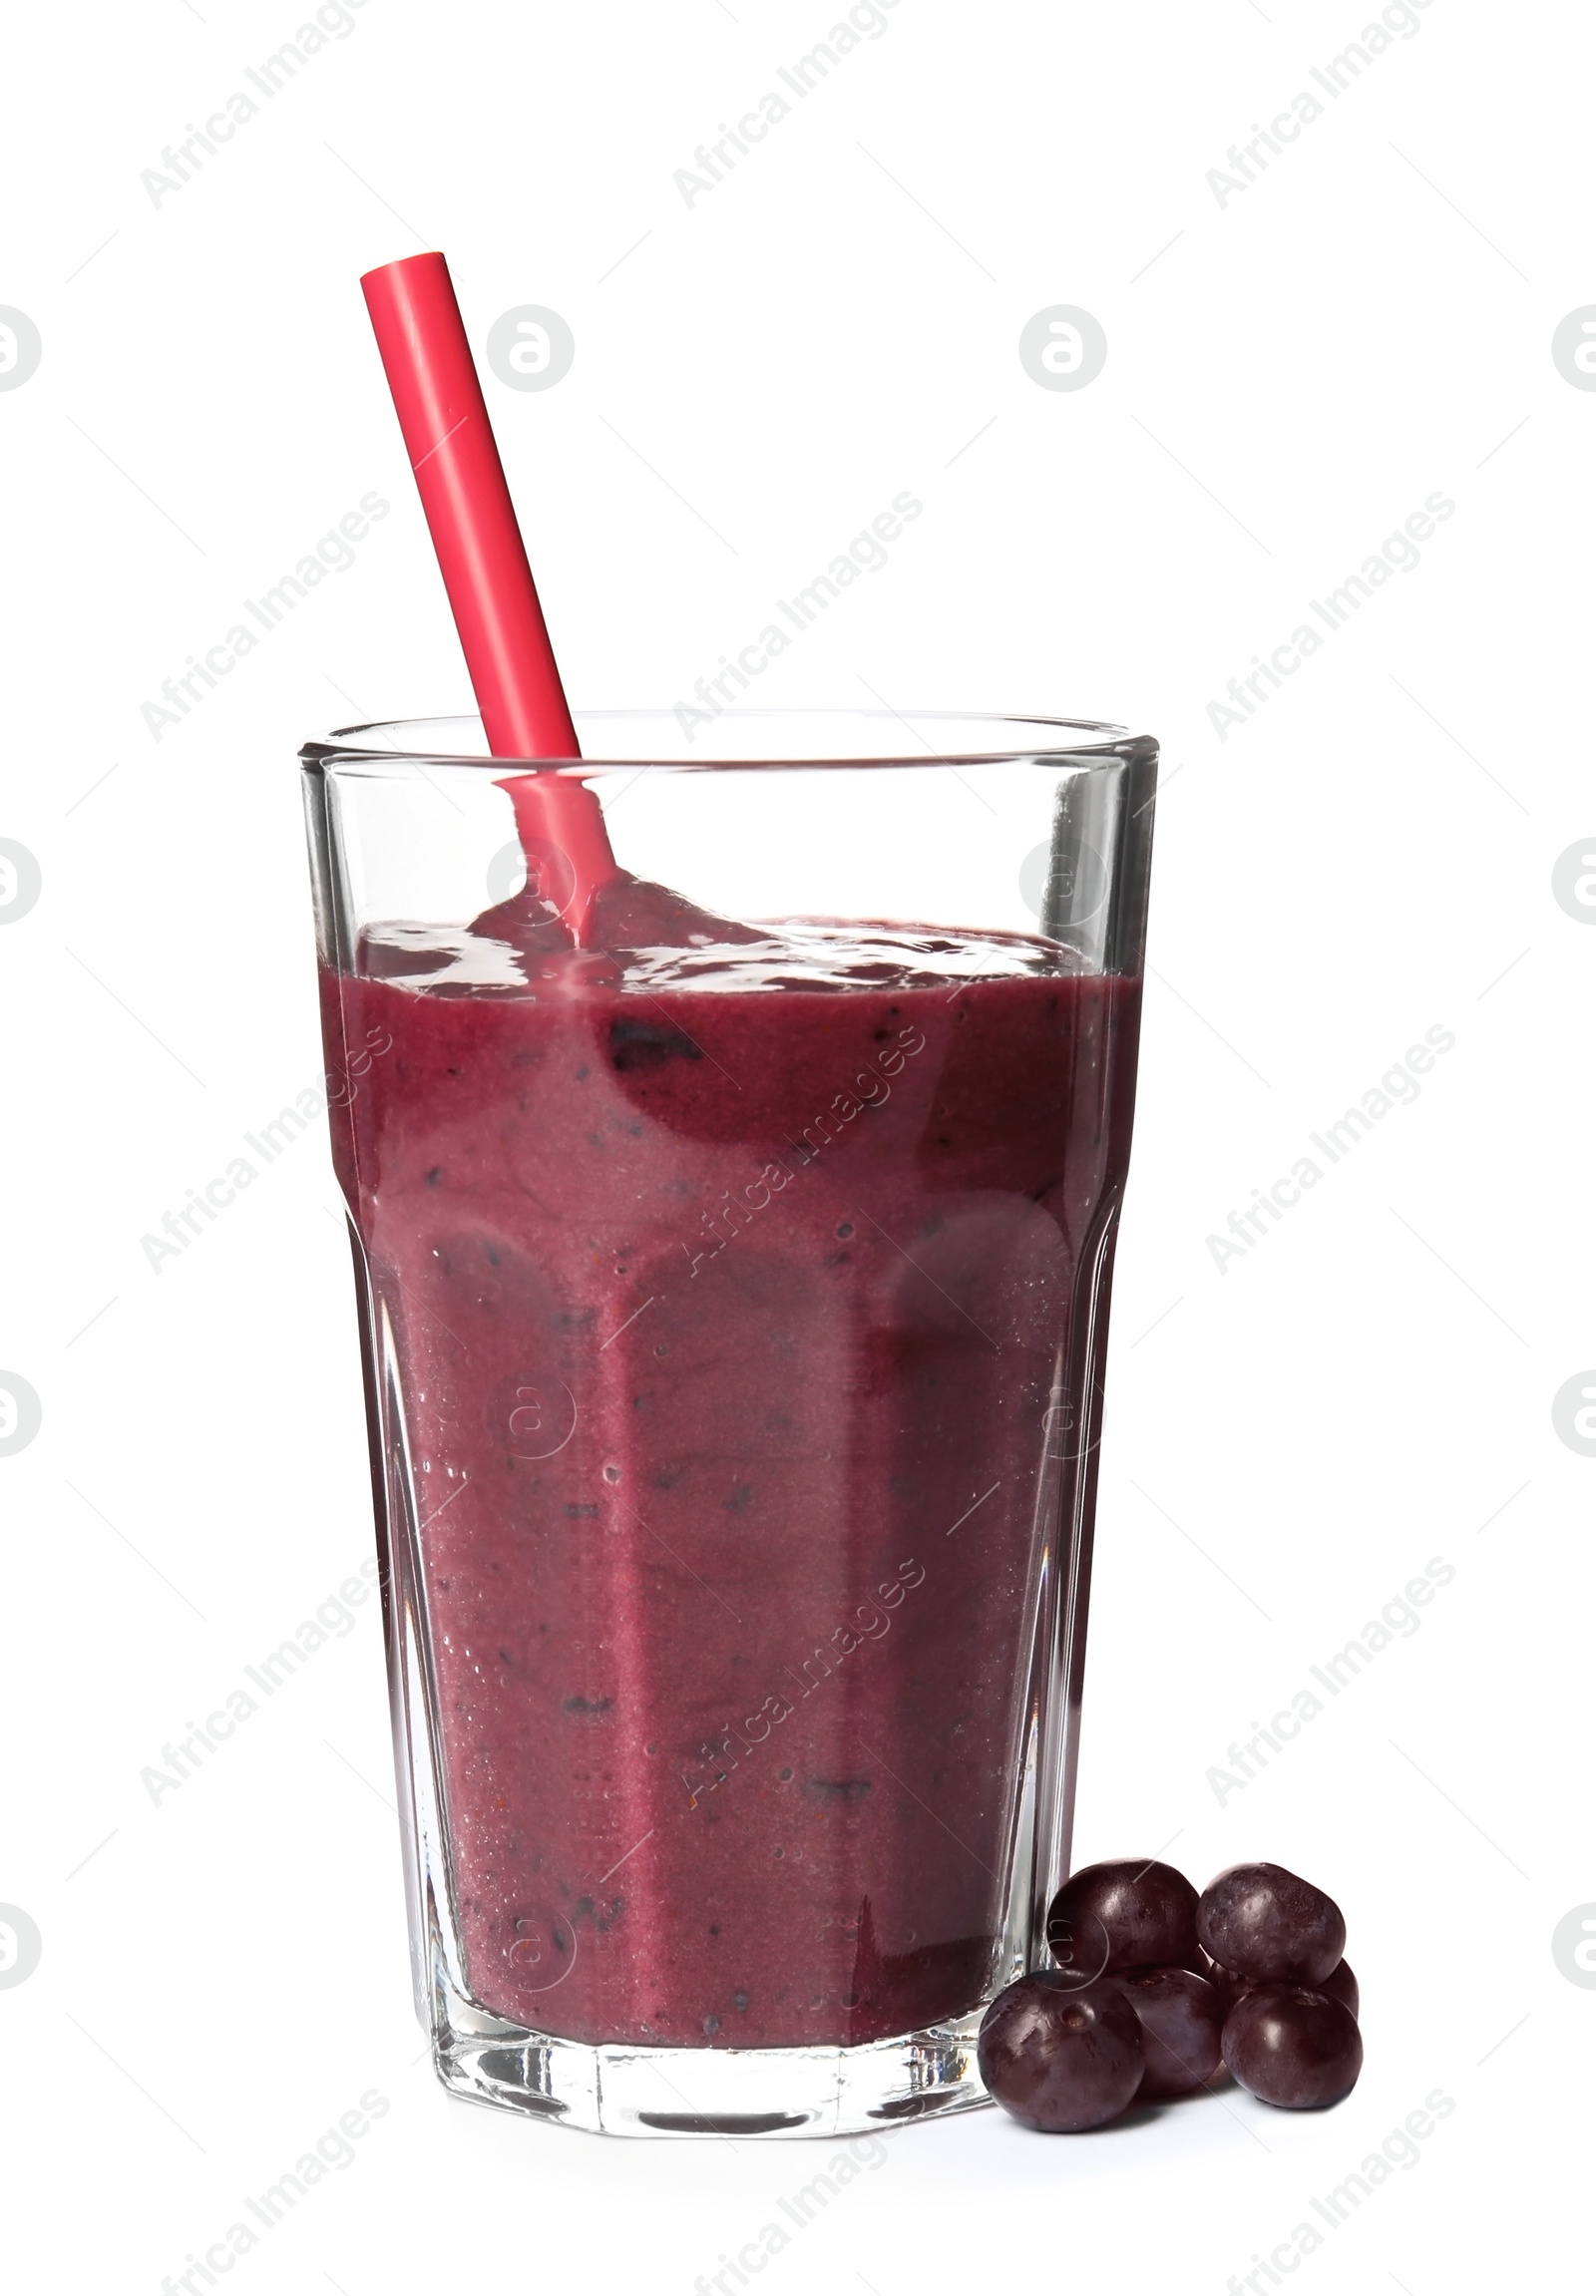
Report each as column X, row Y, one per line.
column 737, row 2092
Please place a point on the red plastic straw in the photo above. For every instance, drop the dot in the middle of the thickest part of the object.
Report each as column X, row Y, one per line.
column 483, row 560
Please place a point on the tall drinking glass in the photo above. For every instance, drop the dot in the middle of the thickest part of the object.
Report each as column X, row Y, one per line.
column 734, row 1289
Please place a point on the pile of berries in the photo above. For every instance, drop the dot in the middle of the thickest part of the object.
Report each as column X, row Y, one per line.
column 1155, row 1988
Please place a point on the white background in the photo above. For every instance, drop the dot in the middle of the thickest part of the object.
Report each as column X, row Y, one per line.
column 1288, row 376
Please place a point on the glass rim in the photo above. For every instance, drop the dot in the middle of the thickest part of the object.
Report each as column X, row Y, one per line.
column 399, row 741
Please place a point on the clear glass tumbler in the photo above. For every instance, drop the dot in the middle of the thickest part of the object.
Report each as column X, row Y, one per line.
column 734, row 1289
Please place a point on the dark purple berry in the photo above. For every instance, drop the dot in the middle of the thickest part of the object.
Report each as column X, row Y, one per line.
column 1270, row 1926
column 1181, row 2015
column 1060, row 2056
column 1225, row 1982
column 1341, row 1986
column 1292, row 2046
column 1077, row 1942
column 1148, row 1911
